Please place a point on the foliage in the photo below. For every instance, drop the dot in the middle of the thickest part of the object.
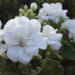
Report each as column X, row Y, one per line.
column 70, row 5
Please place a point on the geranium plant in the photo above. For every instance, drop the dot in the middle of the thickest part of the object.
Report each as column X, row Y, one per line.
column 37, row 41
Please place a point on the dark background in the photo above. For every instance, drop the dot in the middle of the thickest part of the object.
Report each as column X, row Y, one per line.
column 9, row 8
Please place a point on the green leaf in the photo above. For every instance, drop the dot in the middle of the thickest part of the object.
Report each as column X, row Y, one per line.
column 67, row 51
column 7, row 68
column 51, row 67
column 68, row 54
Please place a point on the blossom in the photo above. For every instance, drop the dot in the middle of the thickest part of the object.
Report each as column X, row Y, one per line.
column 53, row 37
column 3, row 46
column 33, row 6
column 24, row 39
column 70, row 26
column 52, row 12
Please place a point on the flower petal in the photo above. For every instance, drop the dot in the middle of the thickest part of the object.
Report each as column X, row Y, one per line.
column 35, row 26
column 33, row 50
column 55, row 45
column 10, row 39
column 47, row 30
column 40, row 41
column 24, row 57
column 55, row 37
column 13, row 53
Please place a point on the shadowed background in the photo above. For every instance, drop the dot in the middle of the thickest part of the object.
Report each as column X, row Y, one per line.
column 9, row 8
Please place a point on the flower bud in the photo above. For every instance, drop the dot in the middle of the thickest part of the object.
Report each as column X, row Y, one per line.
column 21, row 12
column 25, row 7
column 33, row 6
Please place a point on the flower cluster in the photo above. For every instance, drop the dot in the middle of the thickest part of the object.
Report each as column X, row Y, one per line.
column 53, row 37
column 53, row 12
column 23, row 39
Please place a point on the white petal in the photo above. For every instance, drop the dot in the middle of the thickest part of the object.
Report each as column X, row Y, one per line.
column 21, row 31
column 18, row 54
column 10, row 39
column 41, row 13
column 30, row 42
column 35, row 26
column 69, row 24
column 30, row 46
column 33, row 50
column 24, row 57
column 9, row 24
column 55, row 37
column 55, row 45
column 13, row 53
column 47, row 30
column 40, row 41
column 45, row 4
column 21, row 21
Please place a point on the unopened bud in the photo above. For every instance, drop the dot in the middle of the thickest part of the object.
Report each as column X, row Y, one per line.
column 25, row 7
column 33, row 6
column 21, row 12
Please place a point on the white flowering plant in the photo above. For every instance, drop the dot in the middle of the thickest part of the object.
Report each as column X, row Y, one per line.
column 37, row 41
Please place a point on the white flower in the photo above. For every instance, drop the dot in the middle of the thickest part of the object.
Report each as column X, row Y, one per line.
column 53, row 12
column 33, row 6
column 24, row 39
column 53, row 37
column 3, row 46
column 70, row 26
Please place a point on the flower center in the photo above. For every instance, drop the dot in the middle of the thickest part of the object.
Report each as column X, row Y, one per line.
column 21, row 43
